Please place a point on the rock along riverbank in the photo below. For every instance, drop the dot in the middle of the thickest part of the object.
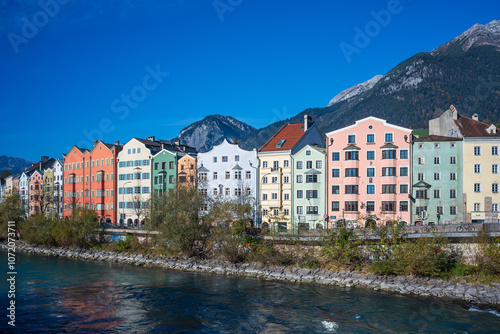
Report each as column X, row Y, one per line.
column 479, row 294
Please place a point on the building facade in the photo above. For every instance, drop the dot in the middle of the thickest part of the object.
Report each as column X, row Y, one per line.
column 164, row 171
column 369, row 166
column 437, row 180
column 275, row 171
column 309, row 188
column 23, row 186
column 186, row 170
column 228, row 172
column 35, row 193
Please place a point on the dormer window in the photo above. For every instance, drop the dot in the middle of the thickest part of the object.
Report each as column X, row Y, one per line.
column 280, row 143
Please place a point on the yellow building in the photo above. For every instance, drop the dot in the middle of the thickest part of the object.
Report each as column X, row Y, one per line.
column 276, row 178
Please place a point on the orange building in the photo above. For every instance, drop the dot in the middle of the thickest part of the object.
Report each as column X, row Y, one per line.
column 35, row 193
column 186, row 170
column 90, row 180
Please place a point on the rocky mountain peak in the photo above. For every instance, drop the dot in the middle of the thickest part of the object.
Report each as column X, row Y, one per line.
column 355, row 90
column 478, row 34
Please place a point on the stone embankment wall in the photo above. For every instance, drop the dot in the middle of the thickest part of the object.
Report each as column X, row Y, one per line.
column 479, row 294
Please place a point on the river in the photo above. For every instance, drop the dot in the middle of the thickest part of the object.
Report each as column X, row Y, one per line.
column 59, row 295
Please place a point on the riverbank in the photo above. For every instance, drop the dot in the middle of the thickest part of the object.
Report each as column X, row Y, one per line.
column 479, row 294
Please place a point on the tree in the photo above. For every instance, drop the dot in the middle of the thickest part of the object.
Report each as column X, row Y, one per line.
column 4, row 174
column 10, row 210
column 140, row 207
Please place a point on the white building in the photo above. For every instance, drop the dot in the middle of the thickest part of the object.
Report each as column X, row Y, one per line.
column 134, row 180
column 230, row 172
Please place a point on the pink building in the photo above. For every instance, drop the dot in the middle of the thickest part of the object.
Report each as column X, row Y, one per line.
column 369, row 165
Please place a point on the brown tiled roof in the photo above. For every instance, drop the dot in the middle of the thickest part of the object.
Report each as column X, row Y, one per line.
column 436, row 138
column 291, row 132
column 472, row 128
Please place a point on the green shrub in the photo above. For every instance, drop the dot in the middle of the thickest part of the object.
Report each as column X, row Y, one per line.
column 342, row 247
column 387, row 267
column 37, row 230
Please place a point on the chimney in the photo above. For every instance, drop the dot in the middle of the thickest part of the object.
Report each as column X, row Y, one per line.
column 95, row 142
column 117, row 143
column 44, row 158
column 475, row 117
column 177, row 142
column 454, row 112
column 151, row 138
column 307, row 122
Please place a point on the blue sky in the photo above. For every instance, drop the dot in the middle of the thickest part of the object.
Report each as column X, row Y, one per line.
column 75, row 70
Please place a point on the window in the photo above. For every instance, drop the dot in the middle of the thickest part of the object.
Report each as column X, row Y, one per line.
column 494, row 150
column 494, row 168
column 370, row 155
column 477, row 187
column 453, row 193
column 311, row 194
column 214, row 175
column 477, row 168
column 299, row 178
column 237, row 191
column 403, row 189
column 319, row 164
column 370, row 189
column 335, row 156
column 351, row 189
column 237, row 174
column 388, row 189
column 388, row 206
column 452, row 145
column 300, row 210
column 335, row 206
column 274, row 196
column 309, row 164
column 351, row 206
column 437, row 176
column 170, row 164
column 477, row 206
column 421, row 193
column 453, row 176
column 312, row 210
column 335, row 189
column 370, row 138
column 453, row 160
column 352, row 155
column 299, row 164
column 274, row 179
column 388, row 137
column 308, row 152
column 439, row 210
column 388, row 171
column 420, row 160
column 286, row 197
column 421, row 211
column 351, row 172
column 403, row 154
column 248, row 175
column 494, row 207
column 224, row 158
column 286, row 164
column 477, row 150
column 264, row 212
column 370, row 206
column 228, row 175
column 437, row 160
column 280, row 143
column 276, row 165
column 137, row 190
column 275, row 212
column 437, row 193
column 264, row 164
column 370, row 172
column 335, row 172
column 389, row 154
column 420, row 146
column 494, row 187
column 403, row 206
column 403, row 171
column 214, row 159
column 311, row 178
column 351, row 139
column 300, row 193
column 236, row 158
column 227, row 191
column 264, row 197
column 453, row 210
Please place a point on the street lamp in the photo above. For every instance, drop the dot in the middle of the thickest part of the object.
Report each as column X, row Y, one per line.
column 123, row 201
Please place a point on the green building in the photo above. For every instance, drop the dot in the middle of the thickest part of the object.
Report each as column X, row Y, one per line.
column 164, row 170
column 309, row 188
column 437, row 180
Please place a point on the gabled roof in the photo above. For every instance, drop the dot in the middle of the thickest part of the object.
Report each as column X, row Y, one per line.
column 203, row 169
column 351, row 147
column 472, row 128
column 421, row 184
column 312, row 172
column 389, row 145
column 437, row 138
column 291, row 133
column 237, row 167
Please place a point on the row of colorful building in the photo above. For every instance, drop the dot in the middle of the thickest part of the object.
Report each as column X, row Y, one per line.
column 367, row 173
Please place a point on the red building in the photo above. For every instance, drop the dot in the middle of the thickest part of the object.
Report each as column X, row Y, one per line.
column 90, row 180
column 35, row 192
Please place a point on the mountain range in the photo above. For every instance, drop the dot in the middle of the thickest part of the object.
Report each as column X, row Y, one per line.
column 13, row 165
